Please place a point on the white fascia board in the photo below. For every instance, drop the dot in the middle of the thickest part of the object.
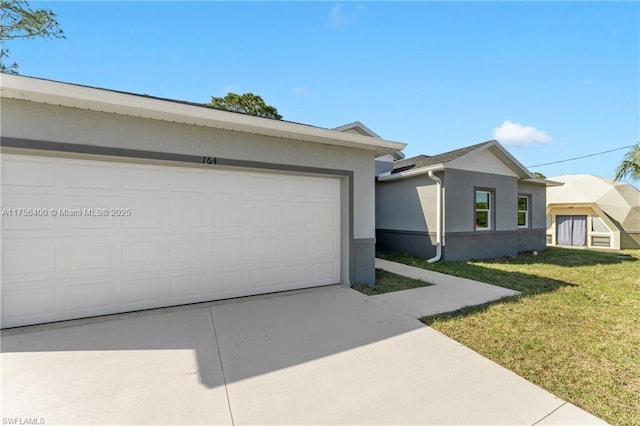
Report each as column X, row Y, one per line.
column 410, row 173
column 545, row 182
column 101, row 100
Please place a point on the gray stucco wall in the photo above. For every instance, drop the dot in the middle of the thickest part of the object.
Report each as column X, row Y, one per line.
column 406, row 217
column 406, row 204
column 405, row 212
column 40, row 122
column 460, row 200
column 538, row 194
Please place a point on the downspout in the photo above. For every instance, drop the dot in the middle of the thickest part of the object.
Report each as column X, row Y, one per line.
column 439, row 213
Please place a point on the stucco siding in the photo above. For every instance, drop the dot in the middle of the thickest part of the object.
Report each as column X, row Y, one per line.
column 419, row 244
column 532, row 240
column 406, row 204
column 28, row 120
column 467, row 246
column 538, row 194
column 406, row 216
column 460, row 200
column 31, row 121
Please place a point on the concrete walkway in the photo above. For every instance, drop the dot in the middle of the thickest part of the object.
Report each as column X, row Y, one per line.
column 448, row 293
column 328, row 355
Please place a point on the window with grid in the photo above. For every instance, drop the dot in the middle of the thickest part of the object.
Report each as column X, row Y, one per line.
column 523, row 211
column 483, row 210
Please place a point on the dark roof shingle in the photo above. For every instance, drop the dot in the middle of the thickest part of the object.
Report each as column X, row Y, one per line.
column 420, row 161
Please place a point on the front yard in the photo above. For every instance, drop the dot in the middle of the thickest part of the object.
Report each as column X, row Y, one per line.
column 574, row 331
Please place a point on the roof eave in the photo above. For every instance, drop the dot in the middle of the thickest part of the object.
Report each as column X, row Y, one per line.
column 545, row 182
column 411, row 173
column 101, row 100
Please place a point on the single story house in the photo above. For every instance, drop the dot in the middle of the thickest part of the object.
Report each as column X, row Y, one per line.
column 593, row 212
column 116, row 202
column 471, row 203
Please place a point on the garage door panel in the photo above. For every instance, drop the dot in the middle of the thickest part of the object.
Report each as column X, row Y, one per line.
column 229, row 183
column 265, row 248
column 324, row 244
column 228, row 251
column 146, row 213
column 325, row 190
column 295, row 189
column 295, row 246
column 28, row 171
column 194, row 234
column 85, row 175
column 27, row 256
column 229, row 282
column 229, row 214
column 195, row 251
column 30, row 299
column 84, row 213
column 266, row 187
column 324, row 217
column 83, row 255
column 89, row 295
column 192, row 285
column 264, row 216
column 144, row 253
column 40, row 220
column 296, row 217
column 265, row 277
column 141, row 292
column 189, row 181
column 142, row 178
column 190, row 214
column 325, row 272
column 296, row 274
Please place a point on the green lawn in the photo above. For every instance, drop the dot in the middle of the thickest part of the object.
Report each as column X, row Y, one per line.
column 387, row 282
column 575, row 330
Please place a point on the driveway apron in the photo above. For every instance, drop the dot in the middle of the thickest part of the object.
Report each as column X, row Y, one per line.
column 323, row 356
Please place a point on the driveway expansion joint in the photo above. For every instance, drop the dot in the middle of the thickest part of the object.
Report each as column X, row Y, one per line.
column 224, row 378
column 548, row 415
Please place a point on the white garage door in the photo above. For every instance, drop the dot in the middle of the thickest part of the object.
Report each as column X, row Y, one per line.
column 83, row 237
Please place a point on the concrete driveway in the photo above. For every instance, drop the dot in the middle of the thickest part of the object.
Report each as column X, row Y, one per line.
column 324, row 356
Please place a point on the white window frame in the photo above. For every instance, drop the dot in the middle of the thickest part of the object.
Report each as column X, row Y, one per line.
column 488, row 210
column 526, row 212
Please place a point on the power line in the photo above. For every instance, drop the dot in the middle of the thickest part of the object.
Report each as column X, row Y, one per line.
column 584, row 156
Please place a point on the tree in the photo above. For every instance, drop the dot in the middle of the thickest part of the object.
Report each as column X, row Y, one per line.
column 247, row 103
column 19, row 21
column 539, row 175
column 630, row 164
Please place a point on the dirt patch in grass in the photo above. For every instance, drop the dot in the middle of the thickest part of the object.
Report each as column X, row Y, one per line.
column 575, row 330
column 387, row 282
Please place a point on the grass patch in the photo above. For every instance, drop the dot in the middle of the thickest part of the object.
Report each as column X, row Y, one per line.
column 574, row 331
column 387, row 282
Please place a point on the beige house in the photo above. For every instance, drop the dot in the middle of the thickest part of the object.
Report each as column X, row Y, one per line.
column 593, row 212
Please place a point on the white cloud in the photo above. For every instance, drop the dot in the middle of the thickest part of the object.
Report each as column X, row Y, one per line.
column 338, row 17
column 516, row 134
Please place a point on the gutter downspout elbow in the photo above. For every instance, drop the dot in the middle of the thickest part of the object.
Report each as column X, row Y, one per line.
column 439, row 209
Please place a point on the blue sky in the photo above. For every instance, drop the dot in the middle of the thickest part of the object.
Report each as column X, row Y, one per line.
column 550, row 80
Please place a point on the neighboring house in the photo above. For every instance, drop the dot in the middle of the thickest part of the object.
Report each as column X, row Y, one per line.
column 472, row 203
column 116, row 202
column 592, row 211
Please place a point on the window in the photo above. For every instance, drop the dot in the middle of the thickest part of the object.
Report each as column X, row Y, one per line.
column 523, row 211
column 483, row 210
column 598, row 225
